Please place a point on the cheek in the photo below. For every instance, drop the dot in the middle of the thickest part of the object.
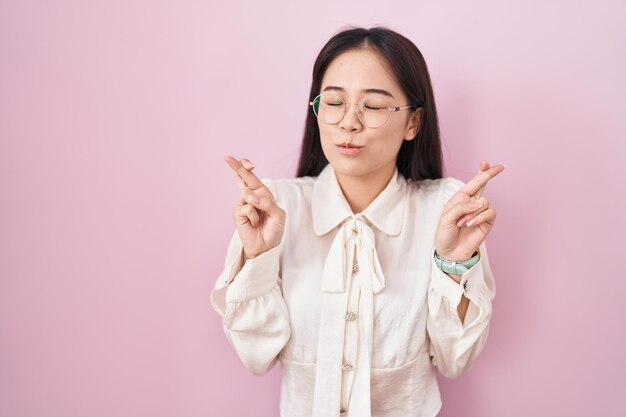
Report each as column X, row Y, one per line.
column 398, row 127
column 392, row 135
column 326, row 140
column 326, row 135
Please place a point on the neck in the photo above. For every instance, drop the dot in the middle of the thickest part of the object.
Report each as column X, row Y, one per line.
column 360, row 191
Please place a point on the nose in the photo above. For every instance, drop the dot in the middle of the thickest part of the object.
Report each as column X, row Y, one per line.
column 351, row 121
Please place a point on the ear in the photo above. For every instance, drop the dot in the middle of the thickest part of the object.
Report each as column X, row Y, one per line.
column 414, row 124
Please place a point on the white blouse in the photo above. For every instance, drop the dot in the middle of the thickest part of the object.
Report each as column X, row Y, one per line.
column 353, row 305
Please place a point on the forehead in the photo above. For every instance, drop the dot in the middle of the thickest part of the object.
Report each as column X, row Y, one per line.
column 360, row 69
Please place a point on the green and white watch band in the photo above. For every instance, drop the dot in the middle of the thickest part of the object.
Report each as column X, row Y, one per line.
column 456, row 267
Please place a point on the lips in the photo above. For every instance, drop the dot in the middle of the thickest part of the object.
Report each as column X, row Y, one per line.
column 348, row 149
column 349, row 145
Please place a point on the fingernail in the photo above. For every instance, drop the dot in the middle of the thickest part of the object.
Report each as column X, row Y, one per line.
column 471, row 222
column 476, row 204
column 247, row 164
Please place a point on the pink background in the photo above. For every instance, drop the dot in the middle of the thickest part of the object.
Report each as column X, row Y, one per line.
column 116, row 202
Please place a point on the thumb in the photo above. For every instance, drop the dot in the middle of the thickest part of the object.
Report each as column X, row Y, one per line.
column 267, row 205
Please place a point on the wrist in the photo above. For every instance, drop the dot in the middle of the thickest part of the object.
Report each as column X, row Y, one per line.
column 456, row 258
column 453, row 267
column 245, row 256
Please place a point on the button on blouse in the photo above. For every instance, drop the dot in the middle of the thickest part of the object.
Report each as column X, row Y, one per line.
column 353, row 305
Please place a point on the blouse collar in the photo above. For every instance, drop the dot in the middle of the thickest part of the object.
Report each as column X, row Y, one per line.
column 330, row 207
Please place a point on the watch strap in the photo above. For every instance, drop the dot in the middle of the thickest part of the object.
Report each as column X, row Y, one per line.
column 456, row 267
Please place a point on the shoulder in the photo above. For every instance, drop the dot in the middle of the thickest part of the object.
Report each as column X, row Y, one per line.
column 289, row 189
column 451, row 185
column 444, row 187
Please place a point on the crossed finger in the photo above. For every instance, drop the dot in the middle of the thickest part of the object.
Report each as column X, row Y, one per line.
column 477, row 185
column 484, row 165
column 245, row 175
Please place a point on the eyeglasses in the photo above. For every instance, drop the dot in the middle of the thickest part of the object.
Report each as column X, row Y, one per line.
column 373, row 112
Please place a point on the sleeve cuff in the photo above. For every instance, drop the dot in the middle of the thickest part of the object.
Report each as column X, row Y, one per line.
column 241, row 281
column 257, row 277
column 470, row 286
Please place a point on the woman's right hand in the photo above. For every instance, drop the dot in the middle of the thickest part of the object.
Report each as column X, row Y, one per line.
column 260, row 222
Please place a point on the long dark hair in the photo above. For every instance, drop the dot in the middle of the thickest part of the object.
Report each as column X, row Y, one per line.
column 419, row 158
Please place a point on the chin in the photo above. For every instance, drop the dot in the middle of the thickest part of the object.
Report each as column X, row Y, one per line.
column 352, row 168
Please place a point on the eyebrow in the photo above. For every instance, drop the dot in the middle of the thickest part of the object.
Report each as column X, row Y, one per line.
column 367, row 90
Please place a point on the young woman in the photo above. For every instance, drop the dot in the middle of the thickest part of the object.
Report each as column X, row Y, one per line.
column 369, row 270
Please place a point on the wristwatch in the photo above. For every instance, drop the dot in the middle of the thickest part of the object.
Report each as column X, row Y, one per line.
column 456, row 267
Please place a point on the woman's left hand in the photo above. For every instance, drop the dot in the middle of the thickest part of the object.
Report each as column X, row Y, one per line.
column 463, row 227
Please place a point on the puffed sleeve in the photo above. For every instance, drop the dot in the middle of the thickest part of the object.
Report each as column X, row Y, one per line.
column 248, row 297
column 454, row 346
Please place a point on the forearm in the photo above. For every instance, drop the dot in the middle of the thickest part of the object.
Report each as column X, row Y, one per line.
column 462, row 307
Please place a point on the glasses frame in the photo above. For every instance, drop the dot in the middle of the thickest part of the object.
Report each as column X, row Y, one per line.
column 359, row 109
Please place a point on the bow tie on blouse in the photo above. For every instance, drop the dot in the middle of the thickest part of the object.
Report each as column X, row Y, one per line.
column 351, row 260
column 352, row 251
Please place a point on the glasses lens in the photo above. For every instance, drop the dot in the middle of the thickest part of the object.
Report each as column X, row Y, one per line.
column 329, row 108
column 374, row 112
